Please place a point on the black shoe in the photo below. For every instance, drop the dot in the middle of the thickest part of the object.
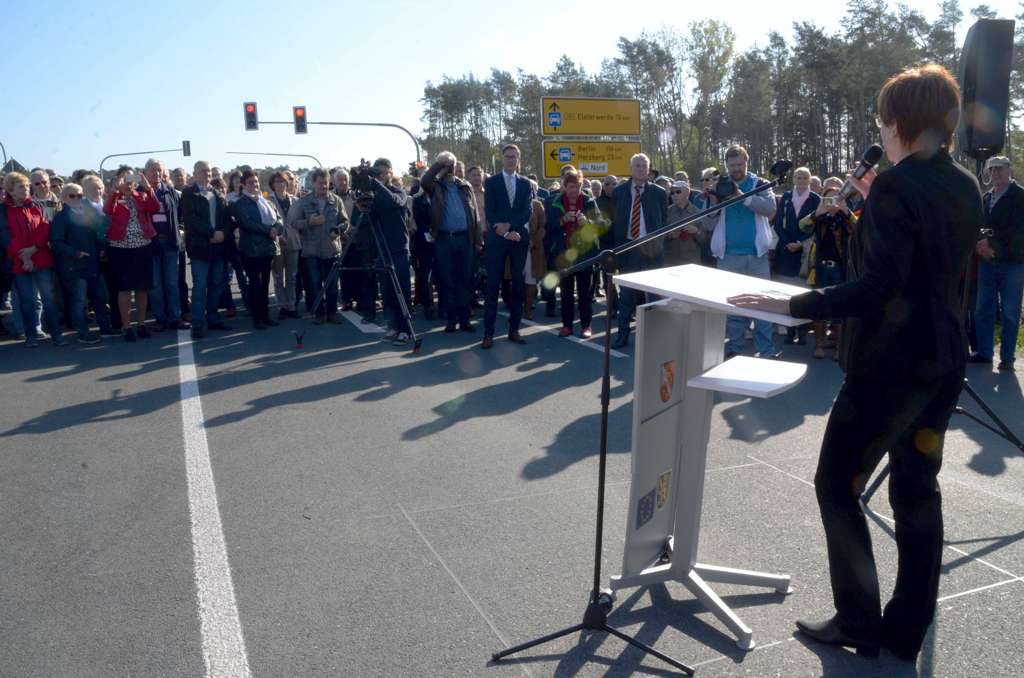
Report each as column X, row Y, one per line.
column 198, row 333
column 159, row 327
column 1006, row 366
column 487, row 342
column 450, row 327
column 129, row 335
column 466, row 326
column 179, row 325
column 516, row 338
column 143, row 332
column 771, row 355
column 223, row 327
column 979, row 359
column 900, row 652
column 828, row 632
column 621, row 340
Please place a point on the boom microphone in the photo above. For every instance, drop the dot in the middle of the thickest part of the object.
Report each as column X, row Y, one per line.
column 870, row 159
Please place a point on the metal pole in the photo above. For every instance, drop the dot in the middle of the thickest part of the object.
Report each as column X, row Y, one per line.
column 121, row 155
column 290, row 155
column 415, row 143
column 5, row 154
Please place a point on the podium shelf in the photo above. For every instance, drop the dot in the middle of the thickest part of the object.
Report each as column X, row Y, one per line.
column 754, row 377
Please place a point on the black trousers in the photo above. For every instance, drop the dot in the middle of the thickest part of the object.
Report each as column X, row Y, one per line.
column 454, row 263
column 909, row 420
column 257, row 269
column 584, row 290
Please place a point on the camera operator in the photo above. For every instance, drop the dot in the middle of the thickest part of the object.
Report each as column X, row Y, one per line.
column 454, row 229
column 741, row 241
column 321, row 221
column 389, row 209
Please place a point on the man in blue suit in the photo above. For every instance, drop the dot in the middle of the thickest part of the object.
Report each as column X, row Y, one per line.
column 508, row 203
column 641, row 207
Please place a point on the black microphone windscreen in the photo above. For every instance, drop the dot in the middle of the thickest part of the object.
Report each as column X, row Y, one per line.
column 873, row 155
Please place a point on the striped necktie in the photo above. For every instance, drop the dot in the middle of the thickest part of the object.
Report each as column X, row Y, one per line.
column 634, row 217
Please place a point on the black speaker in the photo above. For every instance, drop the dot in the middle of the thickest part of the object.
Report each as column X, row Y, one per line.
column 985, row 87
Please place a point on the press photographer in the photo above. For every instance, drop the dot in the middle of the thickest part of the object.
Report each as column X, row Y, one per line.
column 455, row 231
column 741, row 241
column 386, row 206
column 321, row 221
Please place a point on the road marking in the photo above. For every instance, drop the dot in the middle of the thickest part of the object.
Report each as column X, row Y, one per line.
column 365, row 328
column 458, row 582
column 219, row 624
column 551, row 329
column 980, row 588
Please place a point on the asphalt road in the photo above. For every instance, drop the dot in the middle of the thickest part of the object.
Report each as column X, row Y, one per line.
column 386, row 514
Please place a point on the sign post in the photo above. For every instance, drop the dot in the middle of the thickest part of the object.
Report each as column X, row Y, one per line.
column 595, row 135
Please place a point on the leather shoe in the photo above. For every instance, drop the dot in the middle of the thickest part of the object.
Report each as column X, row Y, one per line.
column 467, row 327
column 979, row 359
column 487, row 342
column 449, row 328
column 900, row 652
column 516, row 338
column 828, row 632
column 621, row 340
column 1006, row 366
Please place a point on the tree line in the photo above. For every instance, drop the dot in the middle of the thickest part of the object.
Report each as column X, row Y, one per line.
column 809, row 98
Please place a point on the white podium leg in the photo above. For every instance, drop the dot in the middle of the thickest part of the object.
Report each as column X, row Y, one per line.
column 699, row 588
column 729, row 575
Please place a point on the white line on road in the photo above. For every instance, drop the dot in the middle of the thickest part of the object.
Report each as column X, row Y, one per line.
column 365, row 328
column 219, row 624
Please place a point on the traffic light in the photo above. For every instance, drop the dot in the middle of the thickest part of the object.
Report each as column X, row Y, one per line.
column 299, row 114
column 186, row 148
column 252, row 122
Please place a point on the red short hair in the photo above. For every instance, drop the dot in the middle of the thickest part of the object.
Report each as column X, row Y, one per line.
column 921, row 100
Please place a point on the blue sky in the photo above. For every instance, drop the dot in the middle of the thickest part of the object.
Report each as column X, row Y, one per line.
column 95, row 78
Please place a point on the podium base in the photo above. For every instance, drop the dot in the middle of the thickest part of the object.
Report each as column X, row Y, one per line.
column 595, row 618
column 696, row 581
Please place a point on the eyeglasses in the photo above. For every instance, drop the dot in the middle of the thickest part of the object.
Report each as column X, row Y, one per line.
column 40, row 183
column 72, row 196
column 708, row 179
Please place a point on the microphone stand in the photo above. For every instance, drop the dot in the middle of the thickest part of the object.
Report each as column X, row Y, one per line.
column 595, row 616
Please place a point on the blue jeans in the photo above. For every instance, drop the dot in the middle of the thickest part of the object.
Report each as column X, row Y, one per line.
column 26, row 285
column 207, row 284
column 164, row 295
column 96, row 291
column 1003, row 283
column 318, row 269
column 735, row 325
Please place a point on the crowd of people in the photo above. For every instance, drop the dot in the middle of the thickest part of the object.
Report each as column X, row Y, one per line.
column 80, row 252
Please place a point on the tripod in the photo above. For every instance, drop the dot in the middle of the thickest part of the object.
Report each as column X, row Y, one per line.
column 1002, row 431
column 595, row 616
column 383, row 262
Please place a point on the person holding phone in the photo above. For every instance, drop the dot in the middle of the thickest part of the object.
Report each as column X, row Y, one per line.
column 131, row 206
column 903, row 351
column 573, row 230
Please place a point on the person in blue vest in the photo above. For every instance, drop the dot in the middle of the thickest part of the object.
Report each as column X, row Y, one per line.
column 508, row 204
column 741, row 241
column 641, row 207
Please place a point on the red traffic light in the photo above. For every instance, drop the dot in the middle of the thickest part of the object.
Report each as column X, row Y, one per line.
column 251, row 118
column 299, row 118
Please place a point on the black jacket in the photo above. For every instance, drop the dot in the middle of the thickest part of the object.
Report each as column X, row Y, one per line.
column 195, row 214
column 1006, row 220
column 901, row 300
column 390, row 209
column 73, row 232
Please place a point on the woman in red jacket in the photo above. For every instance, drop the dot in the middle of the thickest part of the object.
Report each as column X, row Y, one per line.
column 25, row 236
column 131, row 229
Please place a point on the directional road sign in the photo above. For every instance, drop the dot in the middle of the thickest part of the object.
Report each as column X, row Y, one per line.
column 593, row 158
column 588, row 116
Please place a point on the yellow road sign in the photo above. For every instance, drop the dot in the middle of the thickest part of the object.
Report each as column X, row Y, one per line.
column 593, row 158
column 585, row 116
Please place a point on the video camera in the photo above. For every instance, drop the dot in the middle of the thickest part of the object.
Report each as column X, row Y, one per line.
column 361, row 178
column 725, row 187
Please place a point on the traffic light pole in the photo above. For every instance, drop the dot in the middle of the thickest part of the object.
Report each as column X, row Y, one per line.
column 123, row 155
column 5, row 155
column 415, row 143
column 288, row 155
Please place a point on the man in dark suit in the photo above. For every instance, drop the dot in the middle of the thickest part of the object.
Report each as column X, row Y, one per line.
column 1001, row 271
column 508, row 203
column 204, row 213
column 903, row 350
column 640, row 208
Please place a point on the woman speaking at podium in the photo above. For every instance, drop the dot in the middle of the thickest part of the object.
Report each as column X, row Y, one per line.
column 903, row 352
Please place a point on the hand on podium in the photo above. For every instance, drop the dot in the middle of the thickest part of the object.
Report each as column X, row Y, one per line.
column 768, row 303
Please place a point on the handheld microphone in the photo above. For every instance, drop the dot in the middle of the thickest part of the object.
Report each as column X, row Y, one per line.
column 870, row 159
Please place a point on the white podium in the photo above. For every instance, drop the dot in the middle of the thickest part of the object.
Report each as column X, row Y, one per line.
column 679, row 350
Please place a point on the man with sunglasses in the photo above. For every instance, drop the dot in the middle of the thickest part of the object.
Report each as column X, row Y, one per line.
column 43, row 196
